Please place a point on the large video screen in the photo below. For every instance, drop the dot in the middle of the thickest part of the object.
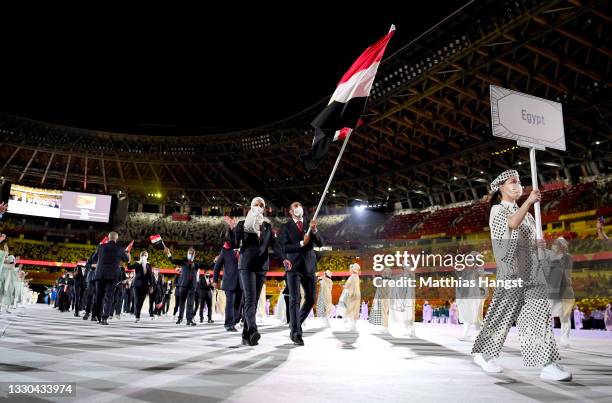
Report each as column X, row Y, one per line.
column 59, row 204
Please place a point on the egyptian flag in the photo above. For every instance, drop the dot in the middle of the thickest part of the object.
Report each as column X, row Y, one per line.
column 342, row 113
column 156, row 240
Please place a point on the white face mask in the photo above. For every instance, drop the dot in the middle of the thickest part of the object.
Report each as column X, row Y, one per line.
column 298, row 212
column 190, row 256
column 514, row 190
column 257, row 210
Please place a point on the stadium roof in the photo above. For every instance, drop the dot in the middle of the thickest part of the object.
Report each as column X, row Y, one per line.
column 427, row 137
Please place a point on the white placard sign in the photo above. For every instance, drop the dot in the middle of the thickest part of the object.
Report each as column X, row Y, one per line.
column 533, row 122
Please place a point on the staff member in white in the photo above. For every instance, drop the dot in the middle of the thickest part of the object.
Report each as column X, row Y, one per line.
column 560, row 288
column 514, row 246
column 470, row 300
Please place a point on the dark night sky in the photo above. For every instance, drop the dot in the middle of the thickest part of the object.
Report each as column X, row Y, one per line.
column 190, row 71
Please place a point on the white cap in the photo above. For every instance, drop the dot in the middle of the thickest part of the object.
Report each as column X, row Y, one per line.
column 501, row 178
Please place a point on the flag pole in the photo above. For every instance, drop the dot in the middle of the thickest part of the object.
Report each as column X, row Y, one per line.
column 331, row 176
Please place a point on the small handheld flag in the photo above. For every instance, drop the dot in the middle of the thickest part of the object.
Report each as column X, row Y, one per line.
column 129, row 247
column 157, row 240
column 104, row 240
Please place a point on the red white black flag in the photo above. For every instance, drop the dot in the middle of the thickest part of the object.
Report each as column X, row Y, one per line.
column 155, row 239
column 347, row 103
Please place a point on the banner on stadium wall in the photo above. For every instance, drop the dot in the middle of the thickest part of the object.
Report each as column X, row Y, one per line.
column 531, row 121
column 180, row 217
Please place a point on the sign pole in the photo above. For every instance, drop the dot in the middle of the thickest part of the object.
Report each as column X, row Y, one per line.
column 534, row 185
column 536, row 206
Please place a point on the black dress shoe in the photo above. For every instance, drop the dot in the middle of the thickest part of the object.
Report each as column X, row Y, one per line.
column 211, row 321
column 85, row 317
column 191, row 323
column 76, row 314
column 298, row 341
column 233, row 329
column 103, row 322
column 245, row 342
column 201, row 320
column 254, row 338
column 94, row 319
column 178, row 322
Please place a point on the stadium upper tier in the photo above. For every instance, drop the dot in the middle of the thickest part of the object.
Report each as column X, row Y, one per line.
column 566, row 210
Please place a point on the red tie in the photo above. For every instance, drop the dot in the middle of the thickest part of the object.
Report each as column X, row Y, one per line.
column 300, row 227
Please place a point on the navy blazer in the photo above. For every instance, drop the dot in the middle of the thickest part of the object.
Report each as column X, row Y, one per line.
column 228, row 261
column 90, row 271
column 290, row 238
column 140, row 278
column 189, row 272
column 109, row 257
column 254, row 254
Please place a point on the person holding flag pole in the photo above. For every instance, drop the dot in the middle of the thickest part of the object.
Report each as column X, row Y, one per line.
column 342, row 114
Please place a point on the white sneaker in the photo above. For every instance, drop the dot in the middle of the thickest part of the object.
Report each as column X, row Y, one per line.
column 554, row 372
column 564, row 342
column 352, row 326
column 487, row 366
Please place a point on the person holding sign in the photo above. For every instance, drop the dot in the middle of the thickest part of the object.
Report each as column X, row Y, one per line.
column 513, row 237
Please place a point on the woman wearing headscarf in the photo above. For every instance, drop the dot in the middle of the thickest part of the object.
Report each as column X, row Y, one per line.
column 608, row 317
column 253, row 236
column 514, row 246
column 379, row 317
column 560, row 288
column 578, row 317
column 353, row 297
column 324, row 301
column 10, row 283
column 402, row 303
column 3, row 270
column 470, row 300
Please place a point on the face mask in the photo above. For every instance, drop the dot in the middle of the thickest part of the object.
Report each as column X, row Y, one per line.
column 257, row 210
column 190, row 256
column 298, row 212
column 514, row 190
